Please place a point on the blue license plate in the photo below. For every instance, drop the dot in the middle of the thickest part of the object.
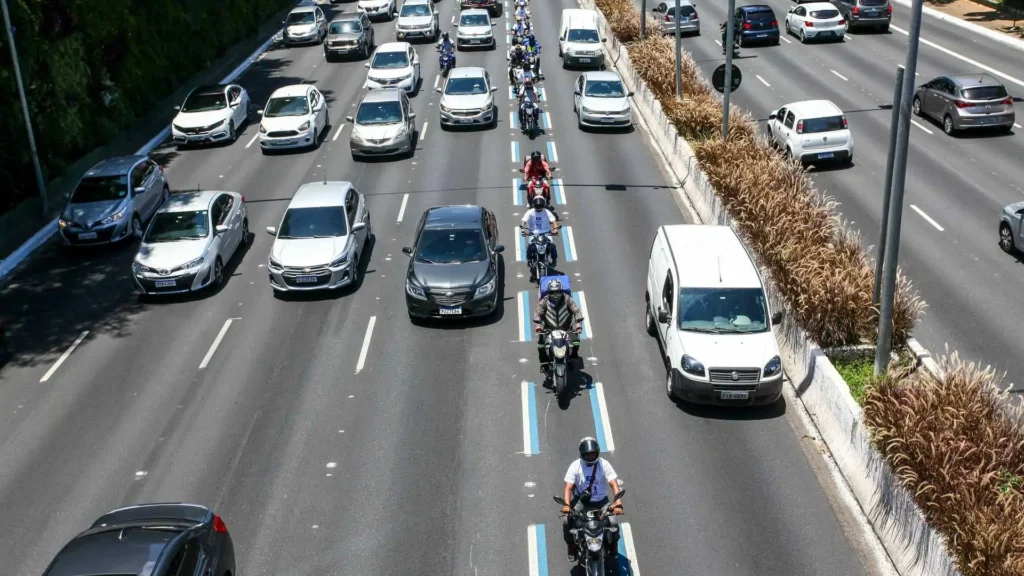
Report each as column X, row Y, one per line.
column 305, row 279
column 826, row 155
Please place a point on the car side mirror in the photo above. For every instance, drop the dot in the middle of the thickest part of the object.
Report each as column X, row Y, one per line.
column 494, row 88
column 222, row 229
column 272, row 230
column 771, row 116
column 139, row 189
column 604, row 39
column 407, row 251
column 260, row 112
column 663, row 317
column 499, row 249
column 436, row 11
column 412, row 115
column 366, row 65
column 358, row 226
column 349, row 119
column 438, row 90
column 494, row 23
column 576, row 92
column 777, row 318
column 630, row 95
column 67, row 195
column 178, row 108
column 1018, row 212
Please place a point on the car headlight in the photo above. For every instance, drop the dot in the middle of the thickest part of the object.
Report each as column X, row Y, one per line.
column 445, row 108
column 588, row 110
column 274, row 264
column 593, row 544
column 140, row 268
column 414, row 291
column 402, row 133
column 304, row 127
column 114, row 217
column 355, row 135
column 262, row 129
column 486, row 288
column 773, row 367
column 192, row 263
column 339, row 261
column 406, row 77
column 213, row 126
column 62, row 223
column 692, row 366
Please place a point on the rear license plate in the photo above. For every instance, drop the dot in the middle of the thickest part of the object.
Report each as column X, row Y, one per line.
column 762, row 35
column 450, row 311
column 584, row 60
column 825, row 155
column 165, row 283
column 983, row 121
column 305, row 279
column 735, row 395
column 872, row 14
column 87, row 236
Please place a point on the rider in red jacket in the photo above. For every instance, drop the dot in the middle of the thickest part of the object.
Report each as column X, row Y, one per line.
column 537, row 170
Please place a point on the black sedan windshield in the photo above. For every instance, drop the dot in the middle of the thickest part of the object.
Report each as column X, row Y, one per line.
column 100, row 189
column 319, row 222
column 451, row 246
column 173, row 226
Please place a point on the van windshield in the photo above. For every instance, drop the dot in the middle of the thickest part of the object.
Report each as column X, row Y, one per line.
column 583, row 35
column 722, row 310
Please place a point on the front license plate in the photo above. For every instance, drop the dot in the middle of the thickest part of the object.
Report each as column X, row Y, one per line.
column 825, row 155
column 196, row 138
column 584, row 60
column 87, row 236
column 735, row 395
column 451, row 311
column 463, row 120
column 607, row 119
column 305, row 279
column 165, row 283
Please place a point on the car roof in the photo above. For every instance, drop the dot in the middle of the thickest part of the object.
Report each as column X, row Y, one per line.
column 190, row 201
column 210, row 89
column 971, row 80
column 320, row 194
column 711, row 256
column 757, row 8
column 293, row 90
column 393, row 47
column 454, row 217
column 602, row 75
column 814, row 108
column 818, row 6
column 115, row 551
column 466, row 71
column 116, row 166
column 383, row 95
column 302, row 9
column 474, row 12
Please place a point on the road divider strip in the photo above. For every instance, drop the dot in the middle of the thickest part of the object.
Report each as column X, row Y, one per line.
column 64, row 356
column 216, row 343
column 515, row 152
column 520, row 245
column 511, row 92
column 569, row 245
column 531, row 438
column 581, row 299
column 558, row 191
column 601, row 424
column 537, row 544
column 525, row 334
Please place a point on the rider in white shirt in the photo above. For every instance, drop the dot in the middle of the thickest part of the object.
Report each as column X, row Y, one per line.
column 539, row 220
column 593, row 474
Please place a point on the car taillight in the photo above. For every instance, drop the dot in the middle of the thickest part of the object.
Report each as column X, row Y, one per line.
column 775, row 23
column 694, row 17
column 844, row 122
column 889, row 9
column 219, row 525
column 747, row 25
column 855, row 11
column 668, row 18
column 800, row 127
column 1007, row 101
column 841, row 21
column 809, row 24
column 243, row 198
column 961, row 104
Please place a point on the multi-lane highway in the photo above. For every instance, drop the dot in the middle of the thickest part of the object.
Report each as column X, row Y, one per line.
column 336, row 437
column 955, row 187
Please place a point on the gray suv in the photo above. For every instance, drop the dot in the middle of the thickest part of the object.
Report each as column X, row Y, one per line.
column 964, row 102
column 112, row 200
column 348, row 34
column 874, row 14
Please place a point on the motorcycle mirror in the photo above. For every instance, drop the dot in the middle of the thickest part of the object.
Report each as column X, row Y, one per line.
column 560, row 500
column 522, row 170
column 407, row 251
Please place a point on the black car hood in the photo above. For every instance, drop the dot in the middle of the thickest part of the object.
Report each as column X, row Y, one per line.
column 449, row 276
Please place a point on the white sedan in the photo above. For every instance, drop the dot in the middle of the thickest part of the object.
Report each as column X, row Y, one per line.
column 211, row 114
column 816, row 21
column 295, row 117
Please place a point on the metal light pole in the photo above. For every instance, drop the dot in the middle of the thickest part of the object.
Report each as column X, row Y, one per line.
column 24, row 109
column 643, row 19
column 876, row 293
column 899, row 177
column 679, row 55
column 729, row 40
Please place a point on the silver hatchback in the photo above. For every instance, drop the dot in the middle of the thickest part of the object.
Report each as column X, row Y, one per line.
column 384, row 124
column 688, row 21
column 966, row 102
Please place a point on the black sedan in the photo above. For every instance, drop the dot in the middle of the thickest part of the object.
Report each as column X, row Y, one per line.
column 153, row 539
column 453, row 270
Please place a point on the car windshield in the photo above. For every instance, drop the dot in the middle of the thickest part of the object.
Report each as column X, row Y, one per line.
column 316, row 222
column 204, row 102
column 761, row 15
column 606, row 89
column 286, row 106
column 465, row 86
column 583, row 35
column 684, row 11
column 174, row 226
column 985, row 93
column 824, row 14
column 346, row 27
column 373, row 113
column 100, row 189
column 722, row 310
column 415, row 10
column 390, row 60
column 301, row 18
column 829, row 124
column 474, row 20
column 451, row 246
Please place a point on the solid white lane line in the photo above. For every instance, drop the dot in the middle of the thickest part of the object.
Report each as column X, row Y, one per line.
column 964, row 58
column 763, row 81
column 718, row 42
column 254, row 137
column 423, row 133
column 64, row 356
column 531, row 539
column 436, row 80
column 401, row 210
column 572, row 243
column 338, row 133
column 609, row 442
column 519, row 307
column 216, row 343
column 845, row 79
column 519, row 249
column 527, row 444
column 921, row 126
column 627, row 537
column 586, row 316
column 928, row 218
column 366, row 345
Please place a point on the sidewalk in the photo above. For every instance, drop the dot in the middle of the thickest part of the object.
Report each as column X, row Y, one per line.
column 985, row 13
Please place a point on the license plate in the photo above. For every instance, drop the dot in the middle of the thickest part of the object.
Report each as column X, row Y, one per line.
column 762, row 35
column 607, row 119
column 305, row 279
column 196, row 138
column 584, row 60
column 87, row 236
column 463, row 120
column 872, row 14
column 983, row 121
column 825, row 155
column 735, row 395
column 451, row 311
column 165, row 283
column 475, row 41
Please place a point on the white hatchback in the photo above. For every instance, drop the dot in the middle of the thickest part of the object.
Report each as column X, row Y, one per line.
column 394, row 65
column 811, row 131
column 295, row 117
column 816, row 21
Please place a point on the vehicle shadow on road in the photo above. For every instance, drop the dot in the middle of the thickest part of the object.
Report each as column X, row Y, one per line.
column 766, row 412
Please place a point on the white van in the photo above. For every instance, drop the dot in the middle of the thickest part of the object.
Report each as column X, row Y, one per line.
column 579, row 39
column 707, row 306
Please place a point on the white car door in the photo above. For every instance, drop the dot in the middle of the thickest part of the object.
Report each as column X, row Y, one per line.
column 578, row 92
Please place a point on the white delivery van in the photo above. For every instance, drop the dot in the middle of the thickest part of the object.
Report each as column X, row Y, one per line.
column 706, row 304
column 579, row 39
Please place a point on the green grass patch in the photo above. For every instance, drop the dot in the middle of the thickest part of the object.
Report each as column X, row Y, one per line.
column 857, row 373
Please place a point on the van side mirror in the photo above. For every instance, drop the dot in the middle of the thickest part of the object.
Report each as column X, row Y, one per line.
column 663, row 316
column 771, row 116
column 494, row 88
column 412, row 115
column 178, row 108
column 604, row 39
column 272, row 230
column 777, row 318
column 630, row 94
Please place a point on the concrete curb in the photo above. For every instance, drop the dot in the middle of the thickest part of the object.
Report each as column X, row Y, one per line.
column 913, row 547
column 1015, row 43
column 47, row 232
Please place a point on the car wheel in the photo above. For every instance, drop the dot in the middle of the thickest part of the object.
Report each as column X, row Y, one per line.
column 789, row 153
column 355, row 270
column 1006, row 238
column 232, row 134
column 328, row 57
column 579, row 122
column 366, row 51
column 846, row 25
column 218, row 273
column 166, row 194
column 668, row 385
column 947, row 125
column 652, row 328
column 917, row 106
column 803, row 37
column 136, row 226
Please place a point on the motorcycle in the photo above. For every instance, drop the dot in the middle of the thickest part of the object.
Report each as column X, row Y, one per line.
column 530, row 111
column 538, row 185
column 517, row 73
column 589, row 528
column 735, row 45
column 531, row 59
column 544, row 257
column 447, row 62
column 560, row 349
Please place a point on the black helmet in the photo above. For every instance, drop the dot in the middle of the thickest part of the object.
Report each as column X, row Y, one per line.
column 535, row 156
column 445, row 35
column 590, row 450
column 539, row 203
column 515, row 40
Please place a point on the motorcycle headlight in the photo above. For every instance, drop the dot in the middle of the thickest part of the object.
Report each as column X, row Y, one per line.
column 773, row 367
column 262, row 129
column 692, row 366
column 304, row 127
column 414, row 291
column 593, row 544
column 486, row 288
column 114, row 217
column 559, row 352
column 193, row 263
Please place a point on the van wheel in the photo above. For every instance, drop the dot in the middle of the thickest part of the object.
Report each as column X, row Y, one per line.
column 668, row 386
column 652, row 328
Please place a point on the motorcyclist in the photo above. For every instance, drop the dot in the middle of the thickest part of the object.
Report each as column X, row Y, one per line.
column 532, row 46
column 522, row 15
column 537, row 167
column 445, row 45
column 725, row 37
column 556, row 311
column 595, row 475
column 527, row 93
column 516, row 58
column 528, row 70
column 539, row 220
column 521, row 28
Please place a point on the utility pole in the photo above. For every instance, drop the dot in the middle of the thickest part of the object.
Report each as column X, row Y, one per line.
column 729, row 40
column 899, row 178
column 679, row 55
column 24, row 109
column 643, row 19
column 876, row 293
